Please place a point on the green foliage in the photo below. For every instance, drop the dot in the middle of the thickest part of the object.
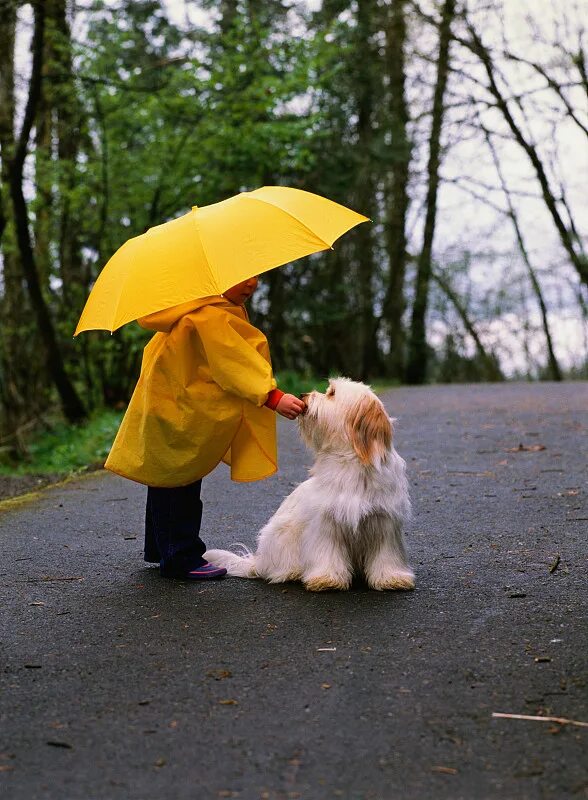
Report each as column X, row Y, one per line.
column 66, row 448
column 296, row 383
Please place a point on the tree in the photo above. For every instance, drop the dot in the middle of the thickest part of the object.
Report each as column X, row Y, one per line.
column 416, row 369
column 490, row 370
column 70, row 401
column 396, row 182
column 15, row 377
column 553, row 364
column 571, row 243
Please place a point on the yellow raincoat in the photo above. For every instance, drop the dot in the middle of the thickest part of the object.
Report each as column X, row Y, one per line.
column 205, row 377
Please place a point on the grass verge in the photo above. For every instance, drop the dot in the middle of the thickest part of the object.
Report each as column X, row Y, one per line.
column 65, row 448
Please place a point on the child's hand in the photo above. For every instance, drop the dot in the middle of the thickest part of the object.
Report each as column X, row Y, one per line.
column 290, row 406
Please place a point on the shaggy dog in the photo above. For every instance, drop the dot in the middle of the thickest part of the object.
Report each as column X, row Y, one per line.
column 347, row 518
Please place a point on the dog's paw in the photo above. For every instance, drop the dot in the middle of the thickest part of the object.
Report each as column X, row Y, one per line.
column 326, row 583
column 394, row 581
column 285, row 577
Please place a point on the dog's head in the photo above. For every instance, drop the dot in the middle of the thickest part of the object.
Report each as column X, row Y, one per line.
column 348, row 417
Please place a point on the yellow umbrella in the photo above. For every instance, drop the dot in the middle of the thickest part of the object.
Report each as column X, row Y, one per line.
column 210, row 249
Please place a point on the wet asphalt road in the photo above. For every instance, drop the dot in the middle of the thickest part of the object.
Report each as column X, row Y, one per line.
column 116, row 683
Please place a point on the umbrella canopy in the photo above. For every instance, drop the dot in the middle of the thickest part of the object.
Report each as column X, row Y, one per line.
column 210, row 249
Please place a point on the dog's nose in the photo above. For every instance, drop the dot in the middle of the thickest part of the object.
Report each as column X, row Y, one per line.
column 303, row 397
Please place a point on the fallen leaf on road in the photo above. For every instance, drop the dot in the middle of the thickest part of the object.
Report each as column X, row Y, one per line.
column 554, row 564
column 229, row 702
column 219, row 674
column 60, row 744
column 444, row 770
column 325, row 685
column 555, row 729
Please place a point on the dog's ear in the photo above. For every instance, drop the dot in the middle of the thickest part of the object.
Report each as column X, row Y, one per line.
column 370, row 431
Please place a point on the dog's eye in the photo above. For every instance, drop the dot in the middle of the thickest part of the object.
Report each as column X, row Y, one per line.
column 330, row 392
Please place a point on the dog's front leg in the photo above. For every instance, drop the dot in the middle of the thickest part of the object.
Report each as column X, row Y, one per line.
column 325, row 560
column 386, row 565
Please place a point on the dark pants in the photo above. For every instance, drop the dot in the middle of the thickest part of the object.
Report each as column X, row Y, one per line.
column 172, row 525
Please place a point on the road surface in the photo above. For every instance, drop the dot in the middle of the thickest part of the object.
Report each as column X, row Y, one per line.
column 119, row 684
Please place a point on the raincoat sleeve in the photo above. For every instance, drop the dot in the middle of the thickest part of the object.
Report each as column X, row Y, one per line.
column 236, row 363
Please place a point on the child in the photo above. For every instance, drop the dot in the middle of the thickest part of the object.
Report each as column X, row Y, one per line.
column 206, row 394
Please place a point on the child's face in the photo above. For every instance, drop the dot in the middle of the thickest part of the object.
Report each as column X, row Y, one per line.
column 240, row 293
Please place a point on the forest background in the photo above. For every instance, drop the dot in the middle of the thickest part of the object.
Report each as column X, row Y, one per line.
column 458, row 126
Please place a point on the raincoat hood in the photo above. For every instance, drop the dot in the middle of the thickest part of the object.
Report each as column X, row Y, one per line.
column 165, row 320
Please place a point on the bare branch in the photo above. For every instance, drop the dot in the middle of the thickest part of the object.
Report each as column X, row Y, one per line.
column 552, row 83
column 556, row 372
column 477, row 46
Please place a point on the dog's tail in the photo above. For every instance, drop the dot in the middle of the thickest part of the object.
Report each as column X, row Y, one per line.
column 239, row 565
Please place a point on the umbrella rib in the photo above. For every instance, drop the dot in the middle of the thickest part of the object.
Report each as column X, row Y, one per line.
column 115, row 312
column 210, row 272
column 112, row 330
column 290, row 214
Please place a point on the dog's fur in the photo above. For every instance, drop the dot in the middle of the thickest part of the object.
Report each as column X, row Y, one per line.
column 348, row 517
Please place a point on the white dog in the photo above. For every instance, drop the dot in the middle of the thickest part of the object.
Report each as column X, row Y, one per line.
column 348, row 517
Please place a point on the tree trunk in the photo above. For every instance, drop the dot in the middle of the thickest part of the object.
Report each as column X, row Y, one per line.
column 43, row 156
column 397, row 200
column 69, row 125
column 71, row 403
column 276, row 319
column 7, row 38
column 416, row 370
column 13, row 360
column 365, row 192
